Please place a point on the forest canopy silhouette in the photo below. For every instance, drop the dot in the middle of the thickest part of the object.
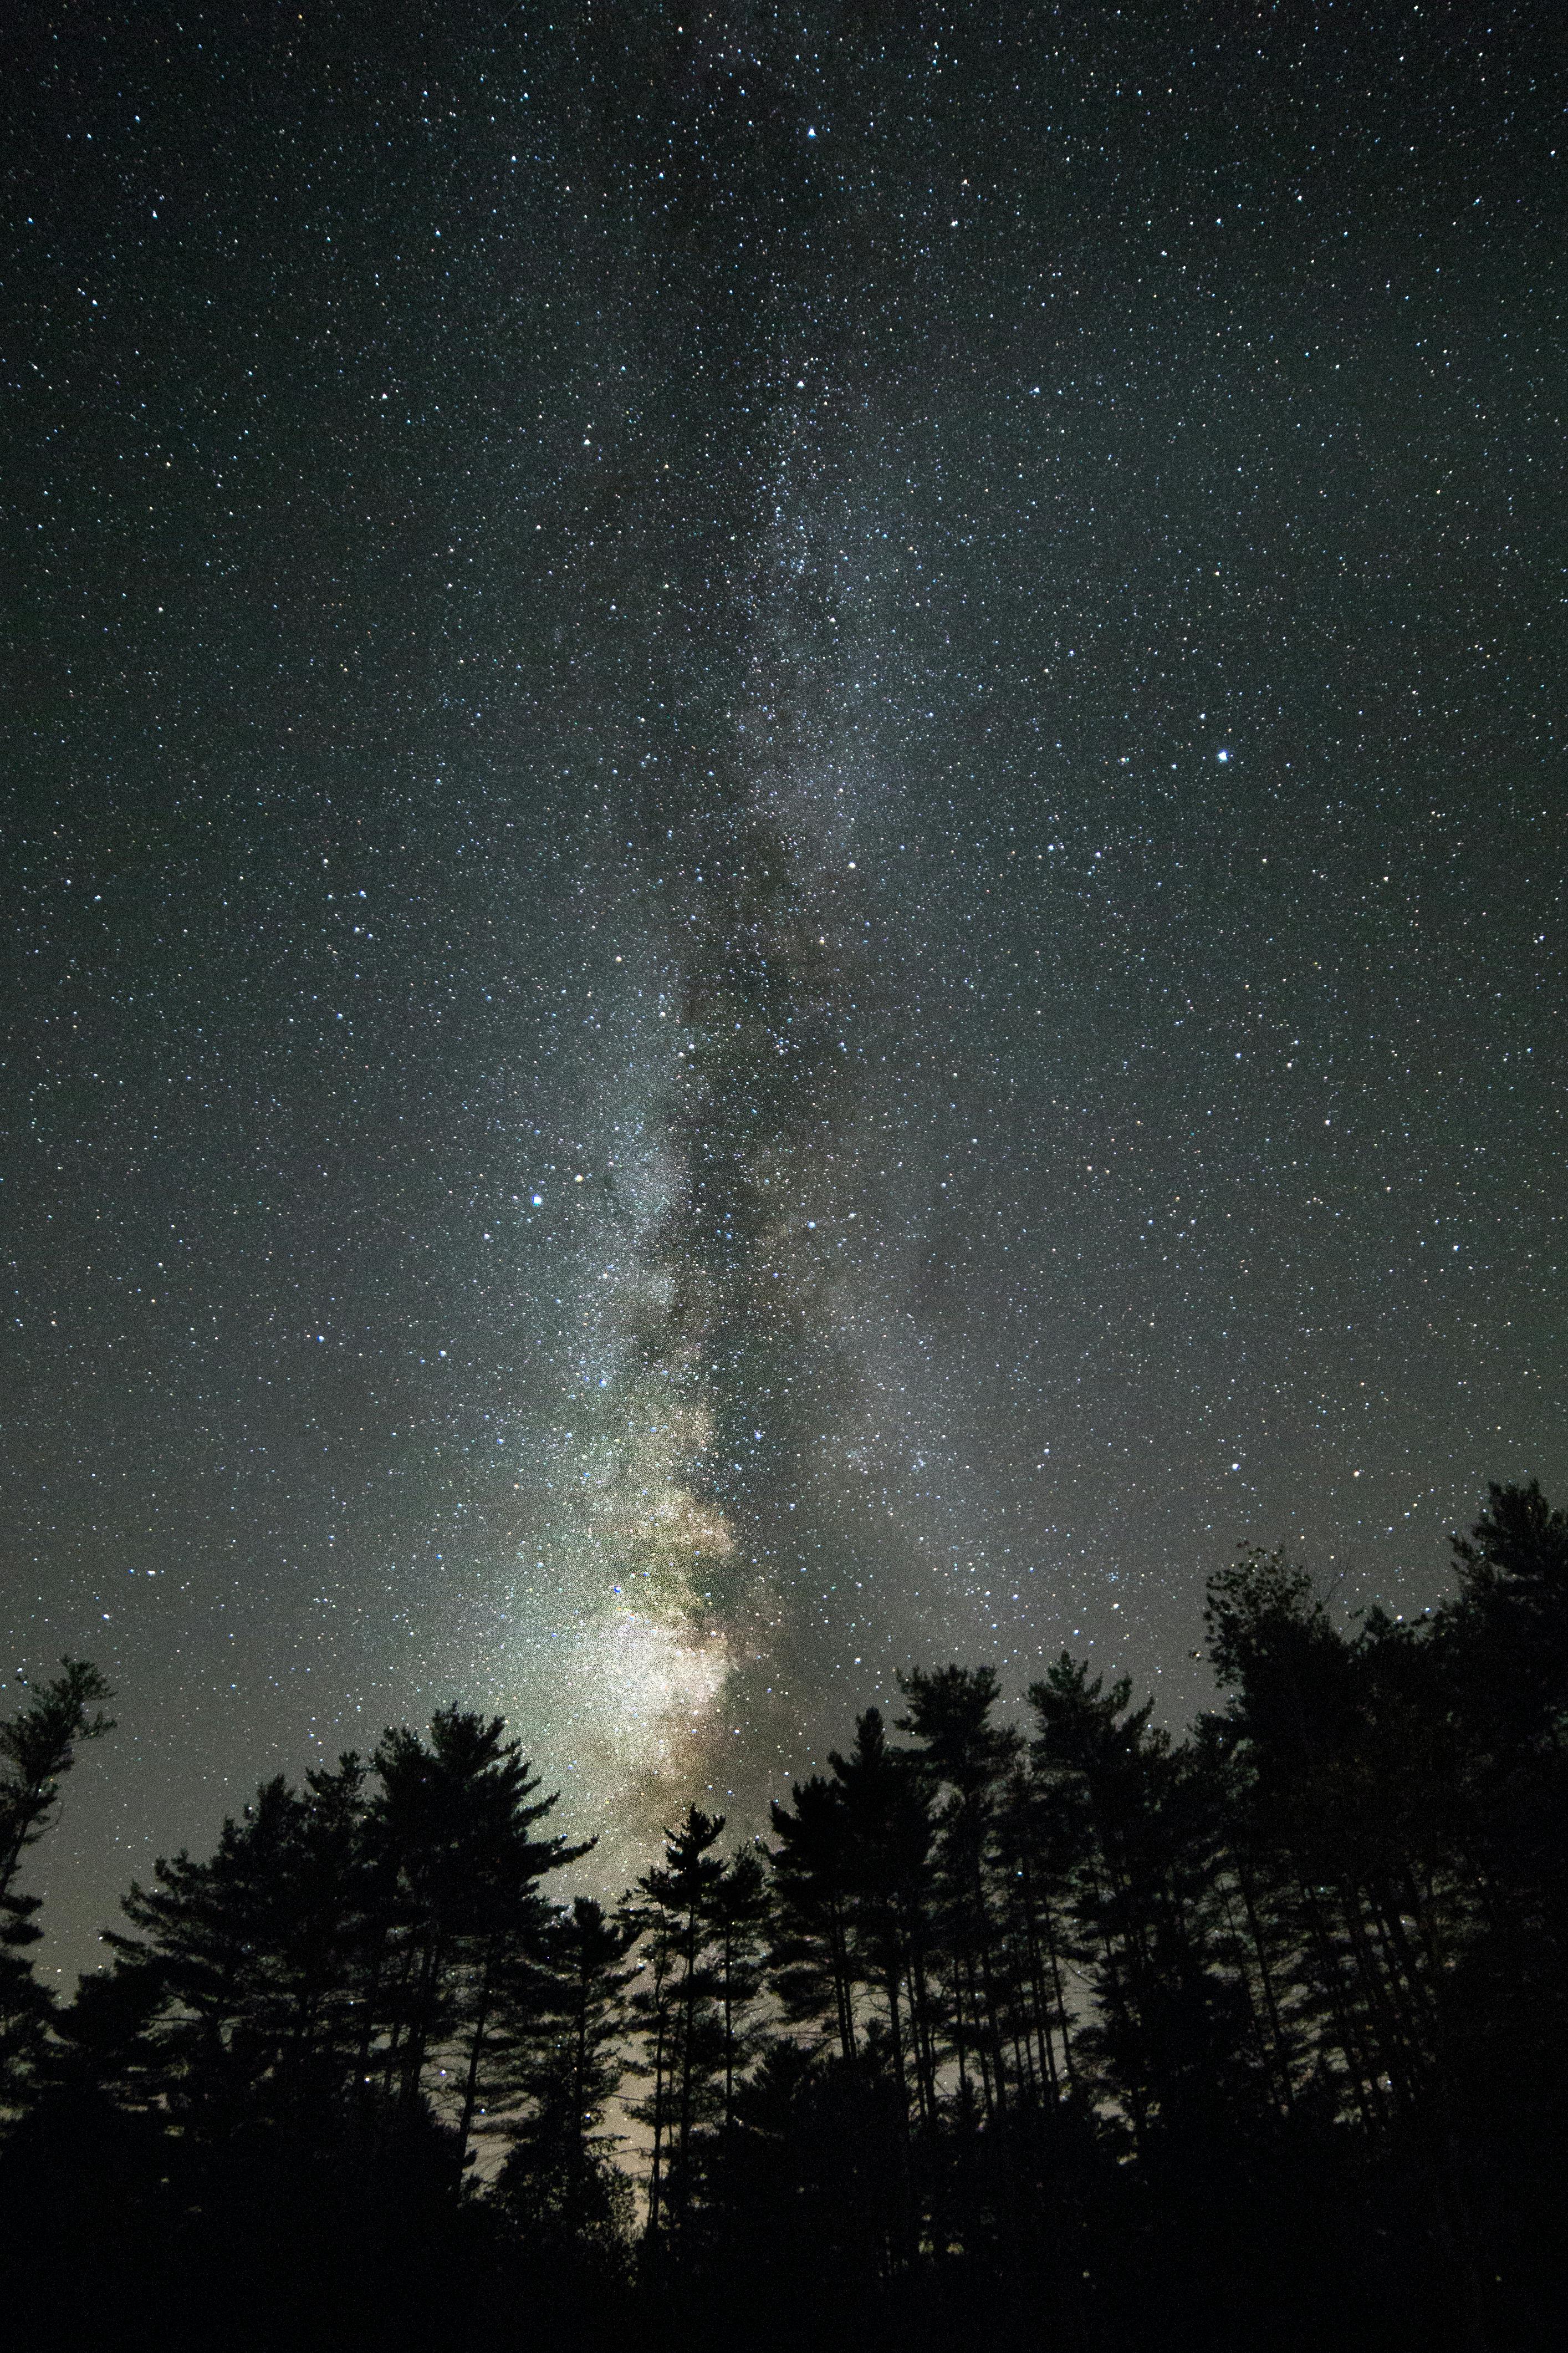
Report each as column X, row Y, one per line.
column 1050, row 2028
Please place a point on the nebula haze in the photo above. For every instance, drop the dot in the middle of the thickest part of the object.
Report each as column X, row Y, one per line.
column 728, row 1374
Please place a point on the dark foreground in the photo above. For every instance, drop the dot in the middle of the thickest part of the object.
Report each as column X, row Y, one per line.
column 1056, row 2034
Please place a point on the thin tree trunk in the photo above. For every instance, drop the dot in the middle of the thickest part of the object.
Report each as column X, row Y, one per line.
column 729, row 2035
column 1266, row 1977
column 1358, row 2063
column 655, row 2178
column 471, row 2080
column 1068, row 2065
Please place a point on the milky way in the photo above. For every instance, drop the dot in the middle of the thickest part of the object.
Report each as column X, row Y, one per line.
column 789, row 870
column 730, row 1336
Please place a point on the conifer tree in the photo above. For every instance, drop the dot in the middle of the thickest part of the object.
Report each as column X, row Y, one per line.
column 452, row 1829
column 559, row 2181
column 964, row 1759
column 739, row 1913
column 886, row 1808
column 685, row 2044
column 255, row 1955
column 812, row 1972
column 38, row 1749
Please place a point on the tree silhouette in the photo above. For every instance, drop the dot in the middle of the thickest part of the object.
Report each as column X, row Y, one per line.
column 559, row 2180
column 689, row 2053
column 1043, row 2026
column 38, row 1749
column 451, row 1828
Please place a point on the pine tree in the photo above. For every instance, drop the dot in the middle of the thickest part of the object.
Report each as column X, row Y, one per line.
column 739, row 1913
column 38, row 1749
column 560, row 2182
column 811, row 1970
column 886, row 1809
column 684, row 2043
column 1172, row 2018
column 452, row 1831
column 964, row 1760
column 255, row 1955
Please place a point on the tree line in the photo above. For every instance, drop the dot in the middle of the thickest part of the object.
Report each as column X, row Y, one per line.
column 1043, row 2021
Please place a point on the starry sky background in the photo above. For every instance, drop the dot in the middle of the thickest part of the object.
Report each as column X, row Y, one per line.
column 785, row 853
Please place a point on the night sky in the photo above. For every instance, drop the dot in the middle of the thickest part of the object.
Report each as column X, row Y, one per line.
column 786, row 840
